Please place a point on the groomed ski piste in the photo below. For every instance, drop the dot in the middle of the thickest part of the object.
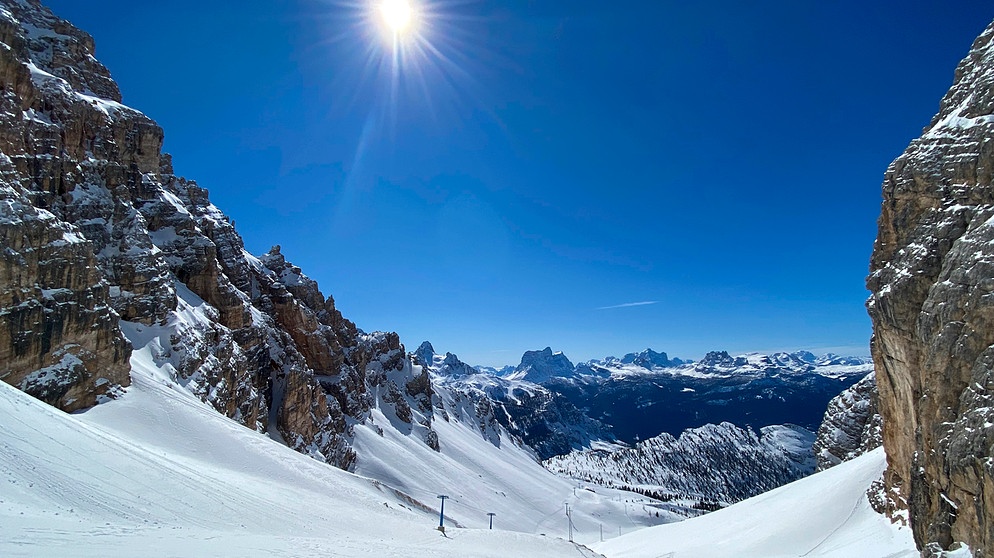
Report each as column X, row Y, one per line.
column 157, row 473
column 826, row 515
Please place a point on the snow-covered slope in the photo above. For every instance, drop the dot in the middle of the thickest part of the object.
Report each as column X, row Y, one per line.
column 483, row 470
column 158, row 473
column 159, row 463
column 544, row 420
column 713, row 464
column 826, row 515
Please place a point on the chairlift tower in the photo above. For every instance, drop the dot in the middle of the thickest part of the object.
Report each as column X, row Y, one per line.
column 441, row 513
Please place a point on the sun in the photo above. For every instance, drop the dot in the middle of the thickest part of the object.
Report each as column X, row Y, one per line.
column 398, row 15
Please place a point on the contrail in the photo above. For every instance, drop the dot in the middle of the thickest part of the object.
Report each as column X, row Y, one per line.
column 629, row 304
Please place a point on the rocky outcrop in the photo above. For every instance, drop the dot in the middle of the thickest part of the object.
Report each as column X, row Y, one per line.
column 933, row 315
column 60, row 339
column 852, row 425
column 424, row 355
column 105, row 250
column 448, row 365
column 543, row 419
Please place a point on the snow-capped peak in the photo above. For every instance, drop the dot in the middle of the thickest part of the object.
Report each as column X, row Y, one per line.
column 541, row 366
column 721, row 359
column 425, row 354
column 650, row 359
column 442, row 365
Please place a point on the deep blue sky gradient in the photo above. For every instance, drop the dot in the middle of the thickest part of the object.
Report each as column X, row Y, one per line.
column 553, row 158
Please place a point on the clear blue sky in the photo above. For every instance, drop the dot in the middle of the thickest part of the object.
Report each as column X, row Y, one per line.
column 552, row 161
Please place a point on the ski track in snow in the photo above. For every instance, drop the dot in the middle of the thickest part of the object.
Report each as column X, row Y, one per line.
column 826, row 515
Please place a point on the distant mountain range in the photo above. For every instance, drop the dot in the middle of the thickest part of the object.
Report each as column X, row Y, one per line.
column 755, row 390
column 644, row 394
column 698, row 435
column 717, row 464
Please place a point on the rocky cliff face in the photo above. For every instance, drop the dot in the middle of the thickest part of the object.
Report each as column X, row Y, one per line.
column 852, row 425
column 61, row 341
column 105, row 250
column 932, row 278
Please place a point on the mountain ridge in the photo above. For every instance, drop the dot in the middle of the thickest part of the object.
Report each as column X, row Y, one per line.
column 749, row 390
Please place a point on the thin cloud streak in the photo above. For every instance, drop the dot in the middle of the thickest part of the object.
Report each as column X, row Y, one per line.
column 629, row 305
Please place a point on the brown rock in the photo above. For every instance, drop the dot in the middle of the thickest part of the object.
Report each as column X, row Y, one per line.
column 932, row 277
column 59, row 338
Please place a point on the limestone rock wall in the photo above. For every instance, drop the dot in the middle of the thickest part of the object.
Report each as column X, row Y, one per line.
column 852, row 425
column 932, row 279
column 59, row 336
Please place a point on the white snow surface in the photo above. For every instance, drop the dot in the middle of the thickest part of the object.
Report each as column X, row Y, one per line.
column 158, row 473
column 826, row 515
column 482, row 472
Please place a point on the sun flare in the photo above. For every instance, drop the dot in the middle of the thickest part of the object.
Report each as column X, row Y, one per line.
column 397, row 15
